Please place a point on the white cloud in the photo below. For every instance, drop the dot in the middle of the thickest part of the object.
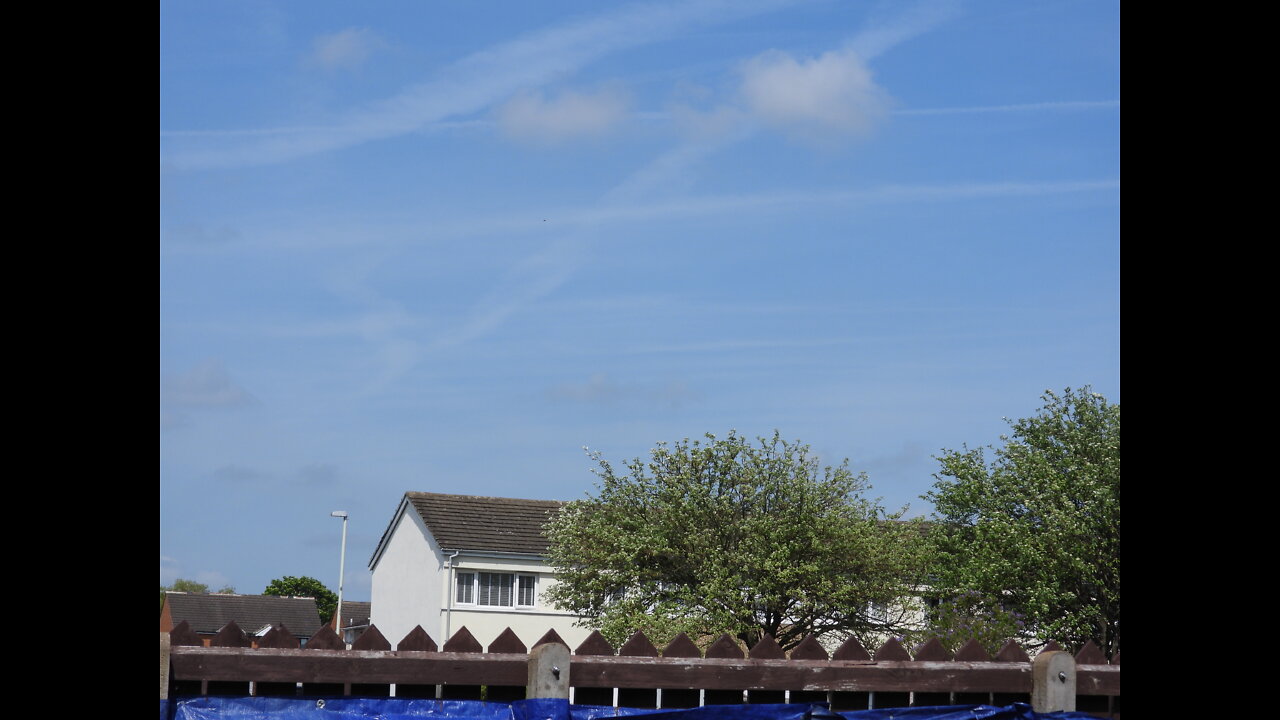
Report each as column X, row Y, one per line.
column 169, row 568
column 469, row 85
column 828, row 96
column 345, row 49
column 206, row 385
column 531, row 117
column 905, row 23
column 599, row 389
column 318, row 474
column 236, row 474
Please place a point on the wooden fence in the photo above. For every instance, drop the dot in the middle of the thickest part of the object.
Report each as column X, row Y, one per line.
column 637, row 674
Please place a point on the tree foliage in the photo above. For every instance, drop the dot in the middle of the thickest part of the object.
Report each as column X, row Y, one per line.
column 326, row 600
column 1038, row 526
column 730, row 536
column 191, row 586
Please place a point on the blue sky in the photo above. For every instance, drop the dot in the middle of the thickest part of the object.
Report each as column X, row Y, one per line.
column 443, row 247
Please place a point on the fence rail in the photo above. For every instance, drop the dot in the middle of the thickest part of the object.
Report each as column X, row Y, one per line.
column 637, row 674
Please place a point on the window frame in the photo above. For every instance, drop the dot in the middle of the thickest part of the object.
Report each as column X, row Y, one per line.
column 521, row 584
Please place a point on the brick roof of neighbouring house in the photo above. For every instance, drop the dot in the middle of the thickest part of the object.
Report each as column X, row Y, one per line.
column 208, row 613
column 470, row 522
column 356, row 613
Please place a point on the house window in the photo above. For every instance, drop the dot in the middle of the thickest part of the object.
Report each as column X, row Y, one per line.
column 526, row 591
column 496, row 589
column 466, row 588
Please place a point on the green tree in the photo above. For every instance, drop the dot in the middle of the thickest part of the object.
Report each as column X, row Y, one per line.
column 326, row 601
column 191, row 586
column 1038, row 527
column 730, row 536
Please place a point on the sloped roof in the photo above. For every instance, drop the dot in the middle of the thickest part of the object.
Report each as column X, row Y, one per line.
column 356, row 613
column 471, row 522
column 208, row 613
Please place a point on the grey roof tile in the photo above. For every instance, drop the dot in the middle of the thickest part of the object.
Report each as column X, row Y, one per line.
column 208, row 613
column 471, row 522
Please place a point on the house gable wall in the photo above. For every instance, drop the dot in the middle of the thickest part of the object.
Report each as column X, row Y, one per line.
column 407, row 585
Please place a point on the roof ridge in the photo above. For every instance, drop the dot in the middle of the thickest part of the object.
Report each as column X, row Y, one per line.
column 418, row 493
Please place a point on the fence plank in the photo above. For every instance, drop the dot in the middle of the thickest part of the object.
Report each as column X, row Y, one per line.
column 851, row 649
column 279, row 638
column 417, row 640
column 809, row 649
column 595, row 644
column 325, row 639
column 971, row 651
column 1012, row 652
column 371, row 639
column 723, row 673
column 1090, row 654
column 585, row 693
column 551, row 636
column 346, row 666
column 725, row 648
column 463, row 642
column 184, row 635
column 638, row 645
column 682, row 647
column 230, row 636
column 508, row 642
column 932, row 650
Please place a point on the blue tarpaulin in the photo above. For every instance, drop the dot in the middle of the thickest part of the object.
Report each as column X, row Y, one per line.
column 266, row 708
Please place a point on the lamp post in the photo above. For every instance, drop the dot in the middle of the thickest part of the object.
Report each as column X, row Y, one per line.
column 342, row 567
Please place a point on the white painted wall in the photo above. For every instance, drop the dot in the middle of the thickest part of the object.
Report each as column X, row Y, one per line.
column 408, row 581
column 529, row 624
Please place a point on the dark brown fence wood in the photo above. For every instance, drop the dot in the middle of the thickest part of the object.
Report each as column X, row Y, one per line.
column 371, row 639
column 639, row 646
column 724, row 648
column 585, row 693
column 971, row 651
column 507, row 643
column 551, row 636
column 417, row 640
column 851, row 650
column 184, row 635
column 637, row 673
column 932, row 651
column 280, row 638
column 681, row 647
column 766, row 649
column 810, row 649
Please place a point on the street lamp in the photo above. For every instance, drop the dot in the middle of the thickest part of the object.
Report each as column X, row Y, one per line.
column 342, row 566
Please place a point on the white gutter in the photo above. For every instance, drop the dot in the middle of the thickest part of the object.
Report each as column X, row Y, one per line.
column 448, row 598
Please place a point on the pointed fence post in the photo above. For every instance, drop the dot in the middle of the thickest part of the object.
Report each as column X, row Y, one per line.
column 164, row 665
column 548, row 672
column 1053, row 682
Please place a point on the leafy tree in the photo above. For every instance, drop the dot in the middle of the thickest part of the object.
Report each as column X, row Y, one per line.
column 730, row 536
column 326, row 601
column 972, row 616
column 191, row 586
column 1038, row 527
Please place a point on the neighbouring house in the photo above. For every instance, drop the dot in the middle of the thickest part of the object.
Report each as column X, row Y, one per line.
column 207, row 613
column 449, row 561
column 355, row 620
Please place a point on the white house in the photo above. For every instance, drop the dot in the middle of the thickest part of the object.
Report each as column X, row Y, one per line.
column 448, row 561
